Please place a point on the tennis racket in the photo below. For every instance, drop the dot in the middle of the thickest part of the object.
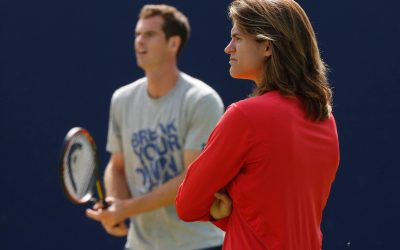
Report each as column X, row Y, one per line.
column 79, row 168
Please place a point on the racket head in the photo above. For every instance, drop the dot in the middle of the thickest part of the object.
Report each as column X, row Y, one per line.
column 79, row 167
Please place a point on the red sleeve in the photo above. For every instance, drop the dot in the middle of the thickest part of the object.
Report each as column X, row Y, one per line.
column 222, row 224
column 217, row 165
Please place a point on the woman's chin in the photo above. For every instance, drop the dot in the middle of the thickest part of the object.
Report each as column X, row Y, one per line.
column 235, row 74
column 238, row 76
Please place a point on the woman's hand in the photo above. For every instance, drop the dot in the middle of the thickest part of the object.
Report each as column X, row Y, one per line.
column 222, row 206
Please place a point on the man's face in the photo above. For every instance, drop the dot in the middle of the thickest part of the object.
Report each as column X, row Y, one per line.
column 247, row 56
column 151, row 46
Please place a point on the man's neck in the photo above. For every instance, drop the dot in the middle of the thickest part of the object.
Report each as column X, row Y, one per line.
column 162, row 80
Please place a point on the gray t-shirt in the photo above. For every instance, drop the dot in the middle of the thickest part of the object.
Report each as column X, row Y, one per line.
column 152, row 135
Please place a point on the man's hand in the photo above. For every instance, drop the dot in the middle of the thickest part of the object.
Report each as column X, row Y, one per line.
column 118, row 230
column 221, row 207
column 111, row 218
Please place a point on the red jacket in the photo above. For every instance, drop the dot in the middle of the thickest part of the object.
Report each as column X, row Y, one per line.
column 277, row 166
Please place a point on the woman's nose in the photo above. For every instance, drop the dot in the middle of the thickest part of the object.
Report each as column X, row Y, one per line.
column 229, row 48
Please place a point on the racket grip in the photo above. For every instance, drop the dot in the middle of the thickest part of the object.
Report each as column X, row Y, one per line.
column 105, row 204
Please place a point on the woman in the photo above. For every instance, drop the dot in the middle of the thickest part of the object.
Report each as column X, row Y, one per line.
column 275, row 154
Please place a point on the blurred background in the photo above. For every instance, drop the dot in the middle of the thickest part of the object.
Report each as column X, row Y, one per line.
column 61, row 61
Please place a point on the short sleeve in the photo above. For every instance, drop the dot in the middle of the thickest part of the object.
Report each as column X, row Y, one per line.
column 204, row 115
column 114, row 144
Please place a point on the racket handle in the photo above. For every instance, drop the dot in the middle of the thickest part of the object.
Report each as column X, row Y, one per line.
column 105, row 204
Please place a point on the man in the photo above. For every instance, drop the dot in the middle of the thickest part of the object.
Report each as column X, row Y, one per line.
column 275, row 154
column 158, row 126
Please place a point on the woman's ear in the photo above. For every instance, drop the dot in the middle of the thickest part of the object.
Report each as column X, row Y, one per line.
column 268, row 49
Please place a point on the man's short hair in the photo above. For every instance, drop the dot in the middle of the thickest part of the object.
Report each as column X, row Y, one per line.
column 175, row 22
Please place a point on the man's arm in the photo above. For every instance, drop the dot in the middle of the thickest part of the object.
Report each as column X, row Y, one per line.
column 162, row 196
column 115, row 179
column 116, row 185
column 120, row 209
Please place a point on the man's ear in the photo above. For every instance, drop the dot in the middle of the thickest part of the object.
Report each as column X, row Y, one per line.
column 174, row 42
column 268, row 49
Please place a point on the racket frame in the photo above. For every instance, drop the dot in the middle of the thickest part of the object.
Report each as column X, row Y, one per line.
column 98, row 185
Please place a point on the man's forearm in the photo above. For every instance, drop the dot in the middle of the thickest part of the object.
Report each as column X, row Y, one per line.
column 160, row 197
column 116, row 184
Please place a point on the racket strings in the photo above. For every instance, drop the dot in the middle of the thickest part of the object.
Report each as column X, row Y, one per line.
column 79, row 167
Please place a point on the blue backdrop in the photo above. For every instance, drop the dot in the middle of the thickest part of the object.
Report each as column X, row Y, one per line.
column 61, row 61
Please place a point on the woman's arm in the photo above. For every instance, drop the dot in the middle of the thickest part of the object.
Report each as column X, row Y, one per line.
column 221, row 160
